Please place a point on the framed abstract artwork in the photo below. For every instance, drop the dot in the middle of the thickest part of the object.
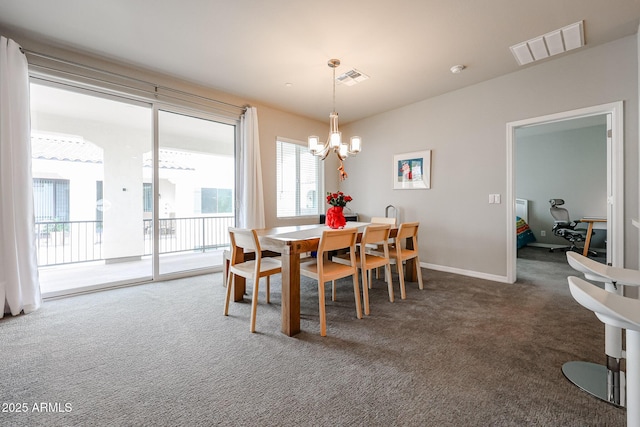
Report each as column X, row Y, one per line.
column 412, row 171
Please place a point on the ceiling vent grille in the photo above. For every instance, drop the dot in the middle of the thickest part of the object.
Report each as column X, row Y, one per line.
column 351, row 77
column 558, row 41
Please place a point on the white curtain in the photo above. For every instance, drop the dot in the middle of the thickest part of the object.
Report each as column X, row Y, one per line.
column 251, row 200
column 19, row 284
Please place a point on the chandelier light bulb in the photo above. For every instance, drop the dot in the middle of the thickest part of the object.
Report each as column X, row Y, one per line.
column 343, row 150
column 314, row 144
column 356, row 144
column 335, row 139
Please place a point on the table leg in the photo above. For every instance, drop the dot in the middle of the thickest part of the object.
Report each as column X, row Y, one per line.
column 587, row 242
column 410, row 266
column 290, row 293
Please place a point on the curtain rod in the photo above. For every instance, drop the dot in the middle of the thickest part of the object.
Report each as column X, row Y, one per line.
column 121, row 76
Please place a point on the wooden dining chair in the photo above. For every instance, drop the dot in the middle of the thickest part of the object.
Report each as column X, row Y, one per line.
column 382, row 220
column 323, row 269
column 399, row 253
column 247, row 240
column 376, row 235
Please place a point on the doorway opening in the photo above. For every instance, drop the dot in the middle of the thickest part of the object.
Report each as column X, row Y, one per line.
column 612, row 207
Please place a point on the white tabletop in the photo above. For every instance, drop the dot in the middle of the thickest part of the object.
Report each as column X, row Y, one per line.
column 313, row 231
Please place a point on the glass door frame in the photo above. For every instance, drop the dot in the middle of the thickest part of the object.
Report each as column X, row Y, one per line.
column 157, row 107
column 120, row 98
column 198, row 111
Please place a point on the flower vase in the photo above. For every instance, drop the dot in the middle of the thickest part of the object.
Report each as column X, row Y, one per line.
column 335, row 217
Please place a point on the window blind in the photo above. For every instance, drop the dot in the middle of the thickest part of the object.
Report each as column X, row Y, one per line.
column 298, row 180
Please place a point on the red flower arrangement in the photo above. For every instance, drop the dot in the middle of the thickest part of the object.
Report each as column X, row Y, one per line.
column 335, row 217
column 338, row 199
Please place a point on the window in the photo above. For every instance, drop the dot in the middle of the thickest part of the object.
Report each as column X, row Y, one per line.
column 299, row 180
column 147, row 197
column 216, row 200
column 51, row 199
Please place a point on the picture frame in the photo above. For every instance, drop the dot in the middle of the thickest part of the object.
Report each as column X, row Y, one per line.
column 412, row 171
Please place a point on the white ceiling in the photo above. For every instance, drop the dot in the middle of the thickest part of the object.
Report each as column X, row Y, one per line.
column 251, row 48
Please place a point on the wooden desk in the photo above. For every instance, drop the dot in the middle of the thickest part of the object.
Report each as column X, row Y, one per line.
column 290, row 242
column 591, row 221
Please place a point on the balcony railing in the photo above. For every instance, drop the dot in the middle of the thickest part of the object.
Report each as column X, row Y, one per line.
column 189, row 234
column 67, row 242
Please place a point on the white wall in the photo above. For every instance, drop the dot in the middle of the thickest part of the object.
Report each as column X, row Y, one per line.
column 466, row 129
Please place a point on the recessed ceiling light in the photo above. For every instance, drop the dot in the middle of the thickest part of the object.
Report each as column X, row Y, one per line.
column 287, row 84
column 457, row 68
column 553, row 43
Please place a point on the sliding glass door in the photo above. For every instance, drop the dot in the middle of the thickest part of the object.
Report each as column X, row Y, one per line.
column 196, row 187
column 87, row 168
column 117, row 204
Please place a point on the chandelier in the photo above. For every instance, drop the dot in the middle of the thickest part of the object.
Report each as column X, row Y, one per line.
column 334, row 141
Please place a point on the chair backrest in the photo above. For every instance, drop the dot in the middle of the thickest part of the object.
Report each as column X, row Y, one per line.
column 377, row 233
column 408, row 229
column 246, row 239
column 332, row 240
column 383, row 220
column 560, row 215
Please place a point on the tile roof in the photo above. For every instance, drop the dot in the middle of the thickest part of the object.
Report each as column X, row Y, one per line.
column 72, row 148
column 64, row 148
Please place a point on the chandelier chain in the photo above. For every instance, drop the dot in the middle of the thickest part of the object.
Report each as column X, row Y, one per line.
column 334, row 89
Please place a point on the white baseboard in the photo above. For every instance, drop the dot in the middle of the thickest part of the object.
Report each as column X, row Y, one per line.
column 469, row 273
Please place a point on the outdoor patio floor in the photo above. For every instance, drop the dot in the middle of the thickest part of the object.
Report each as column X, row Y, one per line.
column 81, row 277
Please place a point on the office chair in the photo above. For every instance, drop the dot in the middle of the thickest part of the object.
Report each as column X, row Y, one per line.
column 565, row 228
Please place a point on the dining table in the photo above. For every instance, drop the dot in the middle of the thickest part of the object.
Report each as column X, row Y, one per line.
column 291, row 242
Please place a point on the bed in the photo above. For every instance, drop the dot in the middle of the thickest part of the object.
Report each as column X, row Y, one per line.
column 523, row 232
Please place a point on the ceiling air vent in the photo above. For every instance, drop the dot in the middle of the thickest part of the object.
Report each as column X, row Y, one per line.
column 351, row 77
column 553, row 43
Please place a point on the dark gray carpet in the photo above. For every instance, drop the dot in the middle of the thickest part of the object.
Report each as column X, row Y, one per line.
column 463, row 352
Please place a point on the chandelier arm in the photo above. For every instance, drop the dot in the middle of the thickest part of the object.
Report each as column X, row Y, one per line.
column 325, row 153
column 326, row 150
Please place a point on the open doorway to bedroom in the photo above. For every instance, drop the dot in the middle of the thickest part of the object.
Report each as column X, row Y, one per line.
column 575, row 156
